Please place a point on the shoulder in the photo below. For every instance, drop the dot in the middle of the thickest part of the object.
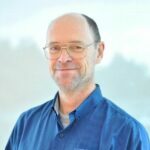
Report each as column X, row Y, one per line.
column 27, row 122
column 126, row 126
column 36, row 112
column 117, row 112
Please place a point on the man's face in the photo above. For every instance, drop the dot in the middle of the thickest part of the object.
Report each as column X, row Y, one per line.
column 70, row 73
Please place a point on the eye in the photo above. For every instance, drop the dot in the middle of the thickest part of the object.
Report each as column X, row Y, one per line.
column 76, row 48
column 54, row 48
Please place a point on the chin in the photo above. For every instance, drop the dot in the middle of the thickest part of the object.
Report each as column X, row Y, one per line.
column 68, row 86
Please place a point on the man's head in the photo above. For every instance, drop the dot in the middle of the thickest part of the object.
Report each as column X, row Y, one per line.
column 72, row 69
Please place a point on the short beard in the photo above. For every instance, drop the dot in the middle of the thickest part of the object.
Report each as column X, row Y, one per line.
column 71, row 87
column 75, row 85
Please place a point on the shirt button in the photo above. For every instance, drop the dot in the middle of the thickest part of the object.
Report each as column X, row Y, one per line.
column 61, row 135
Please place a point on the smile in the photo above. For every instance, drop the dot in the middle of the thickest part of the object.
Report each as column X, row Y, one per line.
column 66, row 69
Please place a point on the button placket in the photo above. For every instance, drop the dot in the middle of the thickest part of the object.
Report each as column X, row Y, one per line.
column 61, row 135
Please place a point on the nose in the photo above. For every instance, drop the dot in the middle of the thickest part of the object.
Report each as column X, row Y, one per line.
column 64, row 56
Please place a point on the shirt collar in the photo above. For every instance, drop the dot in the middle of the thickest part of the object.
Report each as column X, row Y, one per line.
column 86, row 106
column 55, row 104
column 89, row 103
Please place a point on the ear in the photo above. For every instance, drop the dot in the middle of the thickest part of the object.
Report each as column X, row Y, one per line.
column 100, row 52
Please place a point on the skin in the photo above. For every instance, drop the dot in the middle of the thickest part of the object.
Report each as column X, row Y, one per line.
column 74, row 77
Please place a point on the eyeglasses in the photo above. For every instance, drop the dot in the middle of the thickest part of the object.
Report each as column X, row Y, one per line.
column 74, row 50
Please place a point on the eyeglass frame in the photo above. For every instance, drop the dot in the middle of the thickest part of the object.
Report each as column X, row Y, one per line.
column 67, row 49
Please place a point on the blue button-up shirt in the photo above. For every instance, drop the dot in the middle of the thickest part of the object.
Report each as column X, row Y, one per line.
column 97, row 124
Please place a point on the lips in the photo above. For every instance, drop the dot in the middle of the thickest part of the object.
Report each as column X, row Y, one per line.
column 66, row 67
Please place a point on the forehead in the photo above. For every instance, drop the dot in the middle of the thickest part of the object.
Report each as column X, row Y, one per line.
column 69, row 28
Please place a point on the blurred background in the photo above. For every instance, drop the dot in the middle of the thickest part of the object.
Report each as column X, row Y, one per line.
column 124, row 74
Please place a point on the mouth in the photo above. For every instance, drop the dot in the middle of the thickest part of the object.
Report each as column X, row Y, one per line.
column 65, row 69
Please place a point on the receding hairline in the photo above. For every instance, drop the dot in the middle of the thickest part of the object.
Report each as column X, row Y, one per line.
column 68, row 15
column 88, row 21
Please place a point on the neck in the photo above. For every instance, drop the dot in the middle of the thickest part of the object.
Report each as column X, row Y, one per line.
column 70, row 100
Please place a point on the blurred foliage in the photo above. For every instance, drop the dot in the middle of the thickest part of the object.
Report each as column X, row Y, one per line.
column 125, row 79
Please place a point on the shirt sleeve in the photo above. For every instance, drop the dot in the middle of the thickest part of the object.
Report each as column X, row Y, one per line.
column 15, row 136
column 132, row 137
column 143, row 143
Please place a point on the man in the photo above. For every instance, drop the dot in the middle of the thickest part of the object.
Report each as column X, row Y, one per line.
column 79, row 117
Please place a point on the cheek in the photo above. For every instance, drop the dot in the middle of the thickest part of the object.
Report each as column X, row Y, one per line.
column 84, row 67
column 88, row 65
column 51, row 68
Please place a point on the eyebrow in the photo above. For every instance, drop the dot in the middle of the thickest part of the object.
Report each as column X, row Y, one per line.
column 74, row 41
